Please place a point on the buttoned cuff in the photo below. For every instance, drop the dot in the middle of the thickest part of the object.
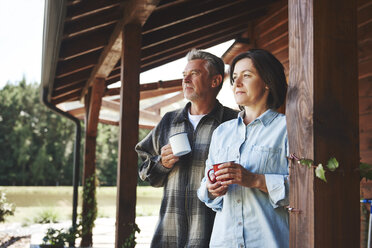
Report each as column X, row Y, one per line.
column 276, row 188
column 215, row 204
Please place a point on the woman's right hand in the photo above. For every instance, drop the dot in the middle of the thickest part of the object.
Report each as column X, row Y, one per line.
column 216, row 189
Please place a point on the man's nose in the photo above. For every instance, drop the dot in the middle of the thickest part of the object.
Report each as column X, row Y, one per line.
column 186, row 79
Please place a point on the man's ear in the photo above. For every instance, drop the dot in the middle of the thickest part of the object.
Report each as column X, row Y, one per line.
column 217, row 80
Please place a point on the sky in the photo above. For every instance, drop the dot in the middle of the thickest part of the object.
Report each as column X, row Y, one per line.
column 21, row 33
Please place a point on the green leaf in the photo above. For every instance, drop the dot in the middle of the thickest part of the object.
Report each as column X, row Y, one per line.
column 332, row 164
column 320, row 173
column 364, row 166
column 365, row 171
column 307, row 162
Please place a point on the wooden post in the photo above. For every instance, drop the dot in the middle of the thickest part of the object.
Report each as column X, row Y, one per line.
column 129, row 106
column 322, row 119
column 93, row 106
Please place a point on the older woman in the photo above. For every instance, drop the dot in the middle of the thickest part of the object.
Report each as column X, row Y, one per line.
column 251, row 187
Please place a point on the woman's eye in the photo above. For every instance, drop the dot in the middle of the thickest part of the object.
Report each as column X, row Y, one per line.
column 246, row 75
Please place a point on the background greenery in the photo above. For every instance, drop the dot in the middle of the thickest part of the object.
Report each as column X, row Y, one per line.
column 37, row 144
column 35, row 204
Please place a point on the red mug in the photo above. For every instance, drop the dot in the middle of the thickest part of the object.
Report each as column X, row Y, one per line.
column 214, row 169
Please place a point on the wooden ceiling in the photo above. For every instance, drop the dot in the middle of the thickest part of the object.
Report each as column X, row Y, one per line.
column 89, row 44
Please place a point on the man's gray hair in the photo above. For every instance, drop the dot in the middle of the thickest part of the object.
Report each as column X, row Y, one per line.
column 214, row 65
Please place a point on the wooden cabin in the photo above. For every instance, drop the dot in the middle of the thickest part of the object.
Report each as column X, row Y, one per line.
column 325, row 47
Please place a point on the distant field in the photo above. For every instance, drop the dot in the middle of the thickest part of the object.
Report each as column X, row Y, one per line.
column 32, row 201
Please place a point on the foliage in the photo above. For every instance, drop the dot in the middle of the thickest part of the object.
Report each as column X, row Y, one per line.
column 6, row 208
column 37, row 144
column 130, row 242
column 59, row 237
column 89, row 214
column 48, row 215
column 365, row 171
column 331, row 165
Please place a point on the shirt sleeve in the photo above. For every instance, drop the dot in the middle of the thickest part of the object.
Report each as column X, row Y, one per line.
column 203, row 194
column 151, row 169
column 277, row 186
column 215, row 204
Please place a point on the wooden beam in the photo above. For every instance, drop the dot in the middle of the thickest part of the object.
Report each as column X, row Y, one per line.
column 93, row 106
column 163, row 87
column 193, row 37
column 167, row 16
column 219, row 17
column 322, row 122
column 77, row 64
column 84, row 8
column 128, row 137
column 66, row 98
column 149, row 116
column 165, row 102
column 71, row 79
column 92, row 21
column 134, row 11
column 86, row 42
column 181, row 52
column 66, row 90
column 112, row 105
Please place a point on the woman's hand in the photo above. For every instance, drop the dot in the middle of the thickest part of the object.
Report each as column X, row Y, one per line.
column 232, row 173
column 167, row 158
column 216, row 189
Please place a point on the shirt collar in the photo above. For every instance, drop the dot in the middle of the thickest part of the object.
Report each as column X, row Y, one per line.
column 216, row 113
column 266, row 118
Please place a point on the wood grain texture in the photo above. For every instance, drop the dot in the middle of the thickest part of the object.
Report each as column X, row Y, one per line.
column 322, row 119
column 128, row 138
column 299, row 113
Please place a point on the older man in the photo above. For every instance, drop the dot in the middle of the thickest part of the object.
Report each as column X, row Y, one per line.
column 184, row 221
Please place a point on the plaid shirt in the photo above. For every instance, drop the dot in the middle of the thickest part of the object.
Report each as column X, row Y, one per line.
column 184, row 221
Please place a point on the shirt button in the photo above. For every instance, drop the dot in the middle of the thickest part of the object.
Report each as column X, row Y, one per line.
column 239, row 223
column 237, row 156
column 241, row 245
column 238, row 201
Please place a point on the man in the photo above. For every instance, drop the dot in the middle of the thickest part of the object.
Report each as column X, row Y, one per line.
column 185, row 221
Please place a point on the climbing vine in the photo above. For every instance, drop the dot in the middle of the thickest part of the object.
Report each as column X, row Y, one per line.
column 320, row 171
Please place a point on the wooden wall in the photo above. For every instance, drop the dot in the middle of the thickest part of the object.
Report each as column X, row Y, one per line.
column 271, row 33
column 365, row 78
column 365, row 104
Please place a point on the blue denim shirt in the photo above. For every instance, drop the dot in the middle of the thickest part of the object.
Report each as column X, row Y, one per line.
column 247, row 217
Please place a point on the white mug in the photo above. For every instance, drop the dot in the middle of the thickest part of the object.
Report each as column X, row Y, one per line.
column 180, row 144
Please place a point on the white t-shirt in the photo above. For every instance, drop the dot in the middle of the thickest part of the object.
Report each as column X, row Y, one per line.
column 194, row 119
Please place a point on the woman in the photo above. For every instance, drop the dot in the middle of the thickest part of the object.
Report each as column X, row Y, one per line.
column 251, row 190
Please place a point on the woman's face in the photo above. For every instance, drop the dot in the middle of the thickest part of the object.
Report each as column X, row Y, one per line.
column 248, row 87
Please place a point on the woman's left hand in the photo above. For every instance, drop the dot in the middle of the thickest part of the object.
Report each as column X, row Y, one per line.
column 233, row 173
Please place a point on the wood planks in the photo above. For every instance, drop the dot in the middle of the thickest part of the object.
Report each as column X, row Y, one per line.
column 322, row 118
column 129, row 105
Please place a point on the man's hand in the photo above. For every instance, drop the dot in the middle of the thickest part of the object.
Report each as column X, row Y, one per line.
column 167, row 158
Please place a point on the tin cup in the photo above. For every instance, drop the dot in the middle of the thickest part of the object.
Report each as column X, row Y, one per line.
column 180, row 144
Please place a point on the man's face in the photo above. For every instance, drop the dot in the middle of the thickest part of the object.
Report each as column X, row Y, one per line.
column 196, row 81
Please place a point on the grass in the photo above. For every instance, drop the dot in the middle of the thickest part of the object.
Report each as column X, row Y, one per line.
column 34, row 202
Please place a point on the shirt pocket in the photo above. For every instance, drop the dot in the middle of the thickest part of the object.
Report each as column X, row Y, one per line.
column 225, row 154
column 265, row 160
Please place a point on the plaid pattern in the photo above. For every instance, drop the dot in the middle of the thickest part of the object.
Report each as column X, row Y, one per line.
column 184, row 221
